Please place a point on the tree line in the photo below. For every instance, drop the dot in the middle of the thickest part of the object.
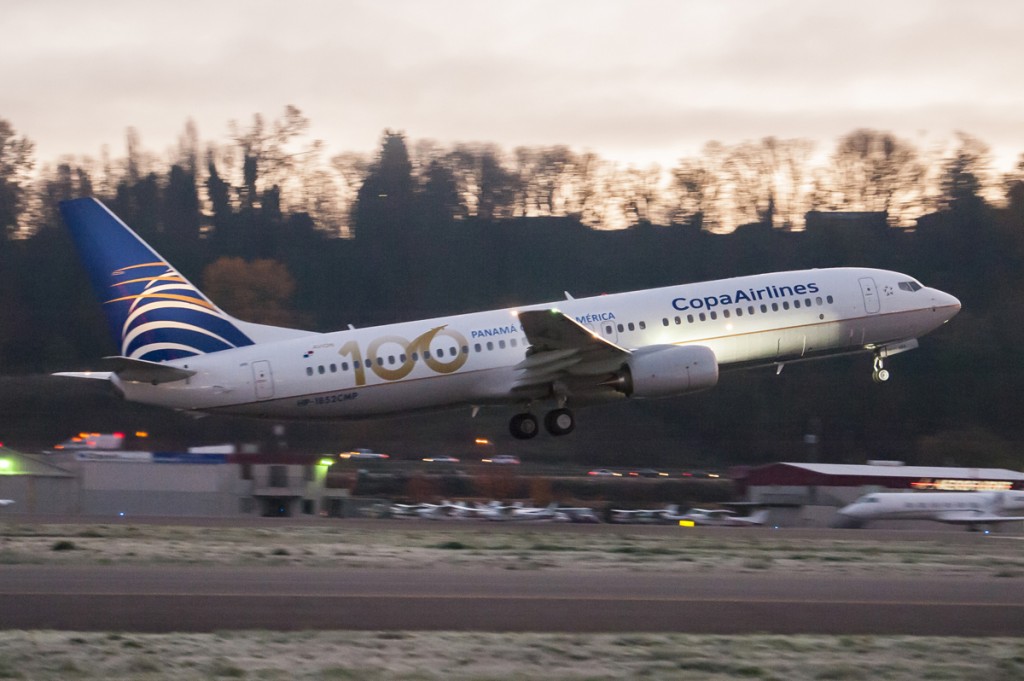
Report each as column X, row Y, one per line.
column 274, row 233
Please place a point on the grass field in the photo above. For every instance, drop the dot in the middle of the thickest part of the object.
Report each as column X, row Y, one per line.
column 411, row 656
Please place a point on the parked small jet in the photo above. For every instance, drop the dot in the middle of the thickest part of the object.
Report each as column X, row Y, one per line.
column 723, row 518
column 668, row 514
column 177, row 349
column 973, row 509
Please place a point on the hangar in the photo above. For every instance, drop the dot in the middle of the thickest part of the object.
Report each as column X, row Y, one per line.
column 808, row 494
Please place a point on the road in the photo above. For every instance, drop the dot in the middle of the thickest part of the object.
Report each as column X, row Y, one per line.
column 200, row 599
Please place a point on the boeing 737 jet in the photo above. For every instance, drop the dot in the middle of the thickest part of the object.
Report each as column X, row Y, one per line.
column 177, row 349
column 960, row 508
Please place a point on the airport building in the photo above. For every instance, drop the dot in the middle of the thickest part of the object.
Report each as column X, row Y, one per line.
column 116, row 483
column 808, row 494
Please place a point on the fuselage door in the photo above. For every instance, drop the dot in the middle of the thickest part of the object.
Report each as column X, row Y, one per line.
column 262, row 379
column 870, row 293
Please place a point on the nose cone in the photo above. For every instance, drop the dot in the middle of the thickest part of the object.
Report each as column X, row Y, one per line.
column 950, row 304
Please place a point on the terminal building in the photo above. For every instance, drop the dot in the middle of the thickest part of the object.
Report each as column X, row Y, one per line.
column 126, row 483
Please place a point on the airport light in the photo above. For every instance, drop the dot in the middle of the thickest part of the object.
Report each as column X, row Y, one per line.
column 326, row 462
column 6, row 465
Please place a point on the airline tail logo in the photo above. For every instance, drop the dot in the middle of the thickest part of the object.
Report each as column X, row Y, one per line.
column 153, row 312
column 165, row 317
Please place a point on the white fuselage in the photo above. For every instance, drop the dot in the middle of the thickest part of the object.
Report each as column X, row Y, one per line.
column 958, row 507
column 471, row 359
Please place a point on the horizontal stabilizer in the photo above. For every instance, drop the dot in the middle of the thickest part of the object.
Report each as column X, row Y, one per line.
column 143, row 371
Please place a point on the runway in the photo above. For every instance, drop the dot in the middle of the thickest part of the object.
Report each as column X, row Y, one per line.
column 203, row 599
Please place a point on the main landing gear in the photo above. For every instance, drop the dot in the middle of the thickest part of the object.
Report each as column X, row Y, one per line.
column 880, row 373
column 557, row 422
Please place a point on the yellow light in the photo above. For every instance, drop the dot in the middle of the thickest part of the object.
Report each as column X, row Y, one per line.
column 326, row 462
column 687, row 523
column 482, row 441
column 5, row 464
column 141, row 433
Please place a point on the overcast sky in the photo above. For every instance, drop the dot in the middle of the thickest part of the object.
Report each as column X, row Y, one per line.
column 640, row 82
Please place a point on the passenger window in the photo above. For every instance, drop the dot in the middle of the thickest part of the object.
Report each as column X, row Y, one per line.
column 764, row 308
column 621, row 328
column 334, row 368
column 714, row 315
column 678, row 321
column 391, row 359
column 702, row 317
column 320, row 369
column 818, row 300
column 631, row 327
column 477, row 348
column 785, row 305
column 726, row 314
column 643, row 325
column 796, row 304
column 689, row 318
column 490, row 345
column 501, row 344
column 664, row 321
column 775, row 307
column 309, row 371
column 828, row 299
column 739, row 311
column 344, row 366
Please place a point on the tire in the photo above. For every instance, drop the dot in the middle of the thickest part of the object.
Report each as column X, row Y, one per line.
column 560, row 422
column 523, row 426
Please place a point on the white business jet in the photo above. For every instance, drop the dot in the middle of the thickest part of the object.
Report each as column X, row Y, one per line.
column 177, row 349
column 972, row 509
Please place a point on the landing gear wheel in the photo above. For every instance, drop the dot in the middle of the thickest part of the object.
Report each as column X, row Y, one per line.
column 560, row 422
column 880, row 374
column 523, row 426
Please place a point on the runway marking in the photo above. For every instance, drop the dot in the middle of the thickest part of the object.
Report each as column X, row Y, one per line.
column 476, row 597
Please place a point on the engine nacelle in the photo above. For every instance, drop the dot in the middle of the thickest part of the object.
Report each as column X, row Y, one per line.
column 667, row 370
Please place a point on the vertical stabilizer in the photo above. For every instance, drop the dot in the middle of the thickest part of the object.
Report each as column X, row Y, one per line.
column 153, row 312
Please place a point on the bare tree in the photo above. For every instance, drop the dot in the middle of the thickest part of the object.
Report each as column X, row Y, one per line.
column 16, row 164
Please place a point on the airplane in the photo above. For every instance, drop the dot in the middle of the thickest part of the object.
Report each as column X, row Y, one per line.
column 177, row 349
column 723, row 518
column 972, row 509
column 668, row 514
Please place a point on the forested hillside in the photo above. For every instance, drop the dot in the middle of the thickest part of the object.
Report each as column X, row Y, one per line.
column 276, row 233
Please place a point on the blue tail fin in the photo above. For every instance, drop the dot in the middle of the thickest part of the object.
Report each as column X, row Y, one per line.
column 154, row 313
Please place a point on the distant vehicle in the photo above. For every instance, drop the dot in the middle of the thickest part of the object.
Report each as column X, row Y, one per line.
column 972, row 509
column 723, row 518
column 647, row 473
column 441, row 459
column 604, row 473
column 6, row 502
column 363, row 455
column 502, row 459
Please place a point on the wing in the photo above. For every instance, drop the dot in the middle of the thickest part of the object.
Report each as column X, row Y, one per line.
column 560, row 348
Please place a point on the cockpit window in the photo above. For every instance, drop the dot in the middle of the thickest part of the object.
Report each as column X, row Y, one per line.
column 910, row 286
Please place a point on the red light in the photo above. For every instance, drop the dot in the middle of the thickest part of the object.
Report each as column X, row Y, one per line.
column 119, row 436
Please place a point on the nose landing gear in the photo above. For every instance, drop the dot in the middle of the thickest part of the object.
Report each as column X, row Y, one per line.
column 880, row 374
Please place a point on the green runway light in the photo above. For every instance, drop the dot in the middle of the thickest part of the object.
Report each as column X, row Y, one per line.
column 6, row 465
column 326, row 462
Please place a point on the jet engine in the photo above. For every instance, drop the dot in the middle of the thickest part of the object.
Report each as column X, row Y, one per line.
column 667, row 370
